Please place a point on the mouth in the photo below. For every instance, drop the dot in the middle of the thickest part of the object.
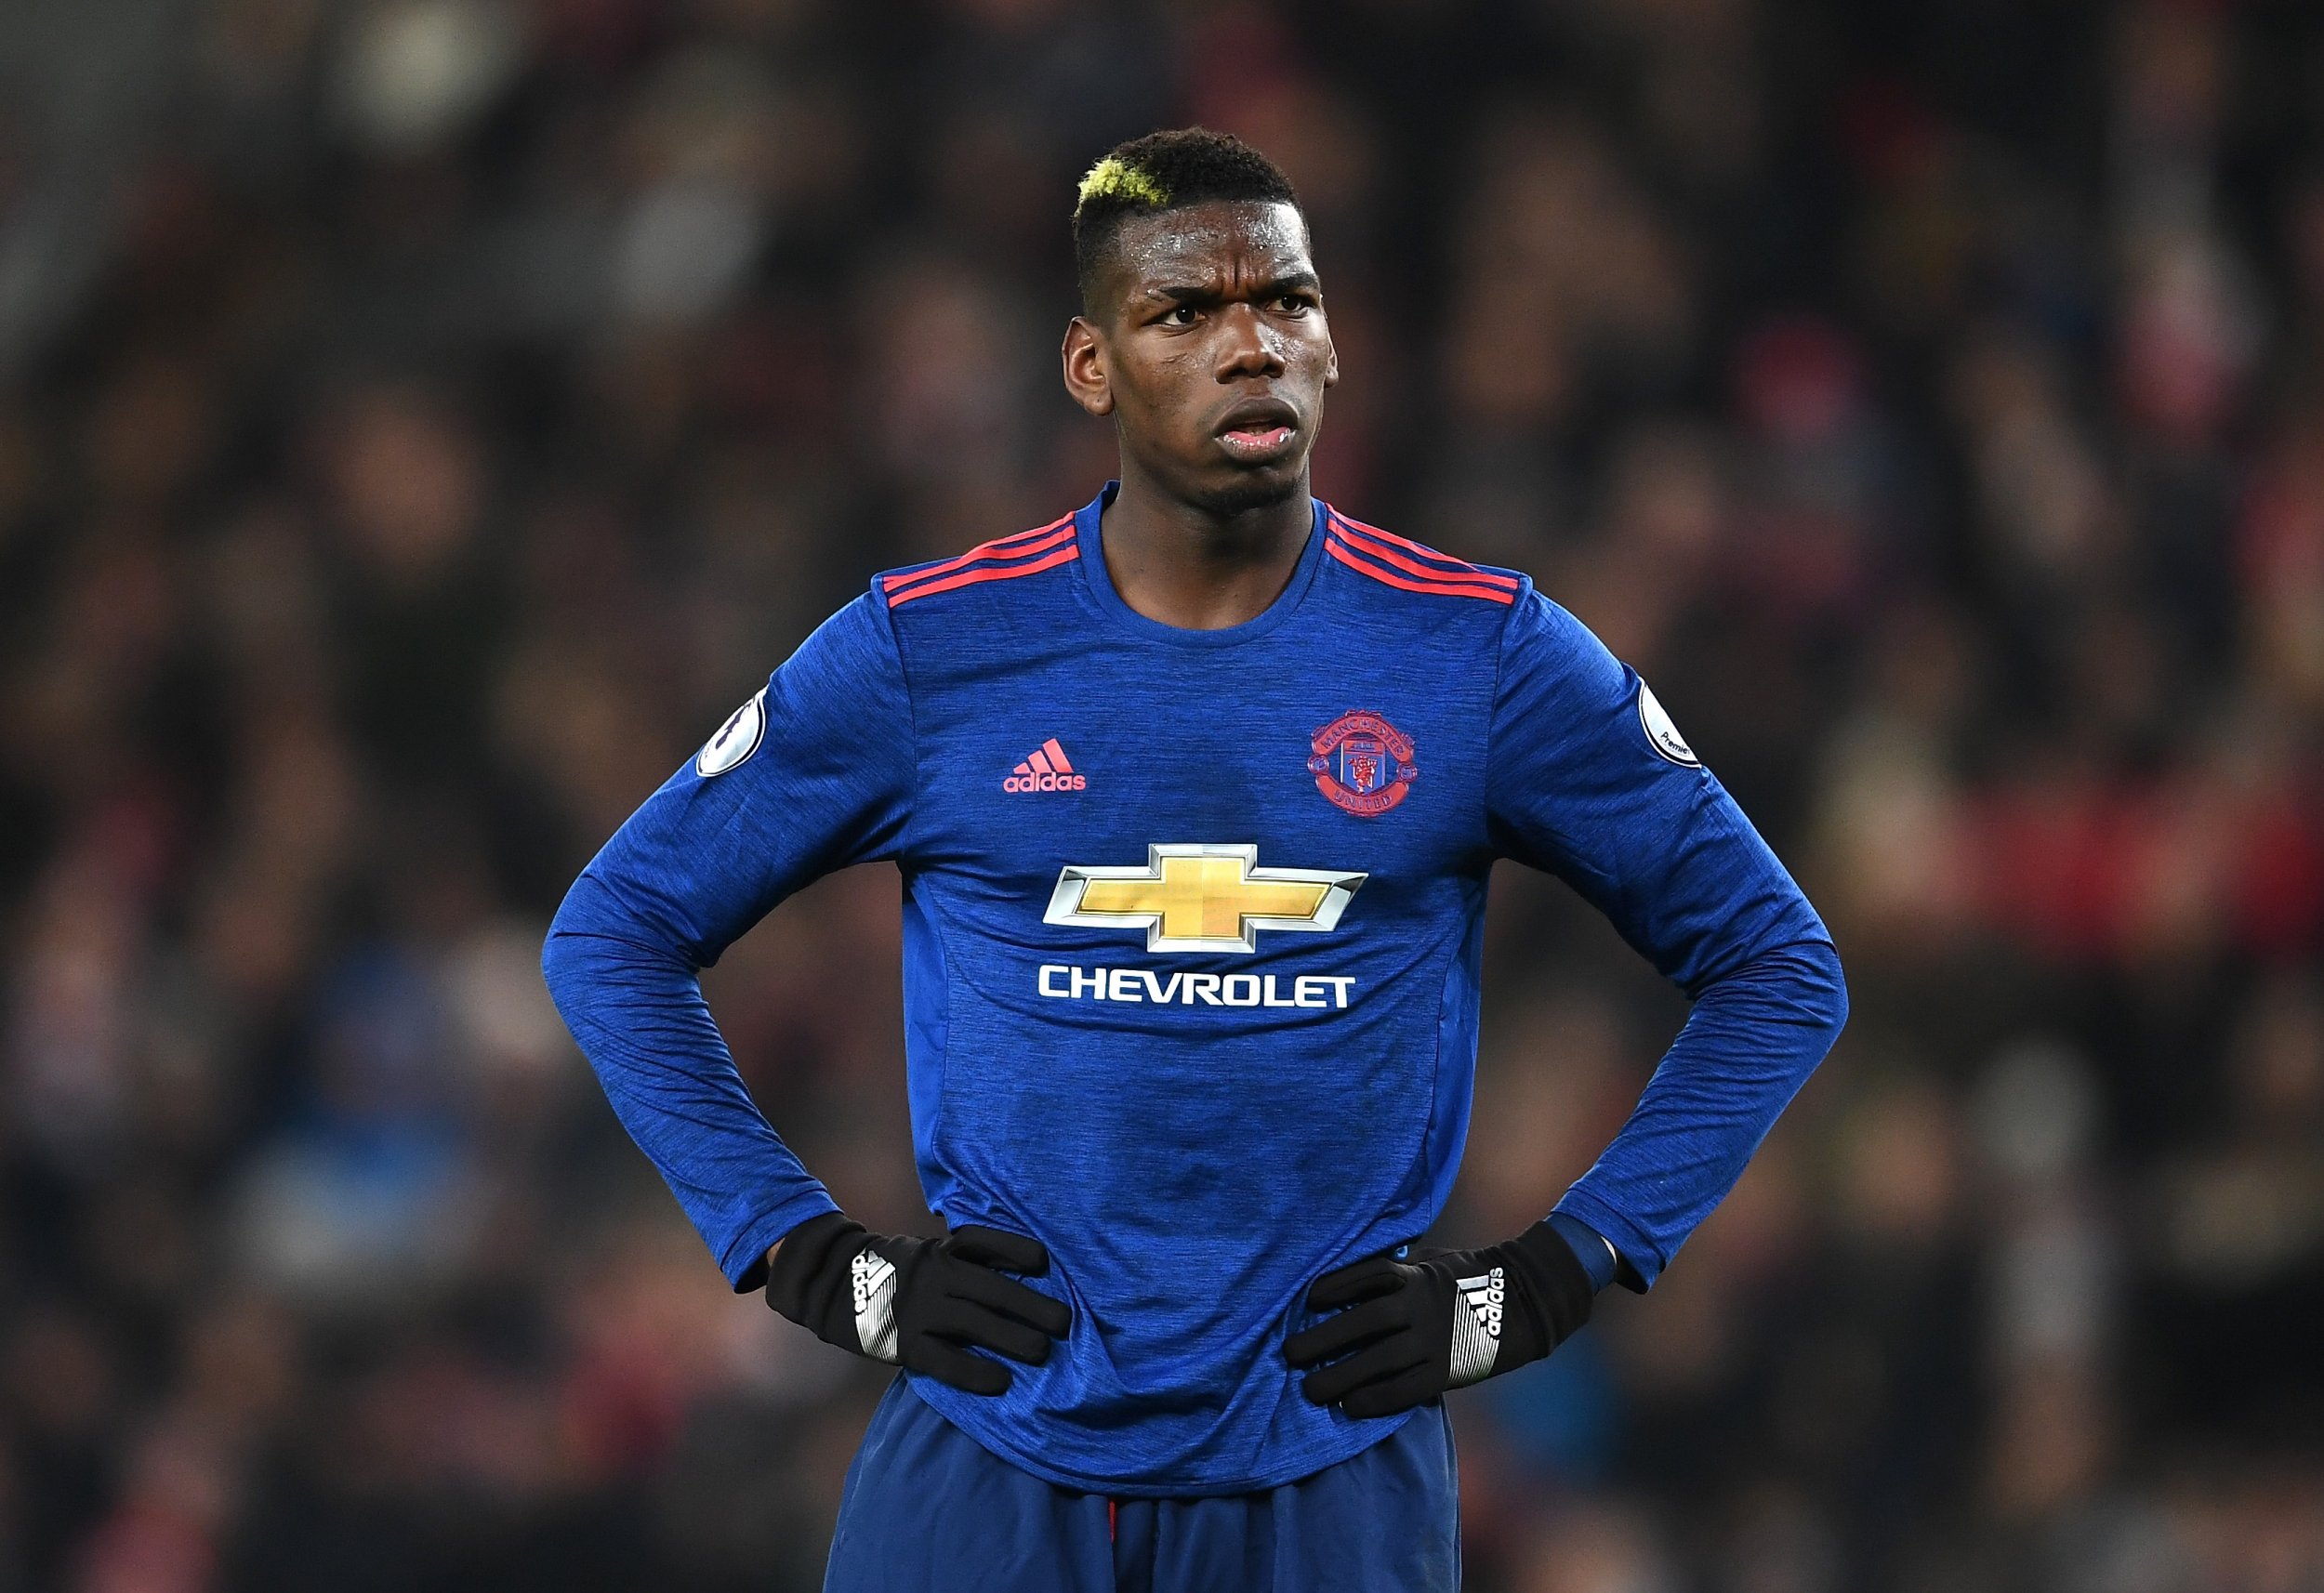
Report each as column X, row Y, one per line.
column 1258, row 431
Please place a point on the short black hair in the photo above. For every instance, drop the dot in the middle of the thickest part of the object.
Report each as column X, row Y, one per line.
column 1163, row 171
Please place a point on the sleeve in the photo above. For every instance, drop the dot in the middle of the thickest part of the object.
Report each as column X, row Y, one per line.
column 814, row 773
column 1588, row 779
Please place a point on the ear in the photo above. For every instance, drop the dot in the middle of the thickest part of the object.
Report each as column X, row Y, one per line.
column 1084, row 357
column 1331, row 367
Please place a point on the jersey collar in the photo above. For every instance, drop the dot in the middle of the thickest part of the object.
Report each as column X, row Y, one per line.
column 1100, row 584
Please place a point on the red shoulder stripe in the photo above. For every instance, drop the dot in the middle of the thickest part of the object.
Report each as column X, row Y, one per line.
column 1348, row 522
column 1348, row 555
column 1040, row 538
column 1382, row 544
column 1065, row 555
column 906, row 586
column 1425, row 571
column 1023, row 545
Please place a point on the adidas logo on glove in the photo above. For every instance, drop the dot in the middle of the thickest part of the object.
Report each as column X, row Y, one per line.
column 1477, row 1328
column 874, row 1279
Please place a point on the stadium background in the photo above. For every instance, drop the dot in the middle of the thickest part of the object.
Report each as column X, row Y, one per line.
column 422, row 420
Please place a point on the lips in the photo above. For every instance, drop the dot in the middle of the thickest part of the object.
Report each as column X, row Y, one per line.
column 1258, row 428
column 1256, row 439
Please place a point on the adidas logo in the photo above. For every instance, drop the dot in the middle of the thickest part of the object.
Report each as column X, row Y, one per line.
column 1047, row 769
column 867, row 1274
column 1485, row 1296
column 873, row 1279
column 1476, row 1336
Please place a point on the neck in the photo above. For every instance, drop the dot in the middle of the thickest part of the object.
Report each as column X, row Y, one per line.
column 1181, row 564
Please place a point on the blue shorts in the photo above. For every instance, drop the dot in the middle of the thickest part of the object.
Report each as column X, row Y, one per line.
column 926, row 1508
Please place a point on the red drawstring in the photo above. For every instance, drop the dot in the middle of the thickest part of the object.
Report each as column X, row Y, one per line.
column 1110, row 1535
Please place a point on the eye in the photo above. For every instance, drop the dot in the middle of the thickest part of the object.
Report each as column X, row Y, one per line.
column 1182, row 315
column 1295, row 304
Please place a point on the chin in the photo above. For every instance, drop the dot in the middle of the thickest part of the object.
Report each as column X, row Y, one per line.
column 1254, row 490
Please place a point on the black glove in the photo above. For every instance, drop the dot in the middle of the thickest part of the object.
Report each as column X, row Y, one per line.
column 1444, row 1319
column 917, row 1302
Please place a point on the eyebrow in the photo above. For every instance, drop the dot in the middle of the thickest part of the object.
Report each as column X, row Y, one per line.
column 1289, row 281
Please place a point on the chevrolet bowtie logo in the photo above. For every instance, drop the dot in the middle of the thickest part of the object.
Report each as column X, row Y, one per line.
column 1201, row 898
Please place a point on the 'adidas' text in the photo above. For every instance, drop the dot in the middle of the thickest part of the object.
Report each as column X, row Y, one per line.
column 1047, row 769
column 1486, row 1295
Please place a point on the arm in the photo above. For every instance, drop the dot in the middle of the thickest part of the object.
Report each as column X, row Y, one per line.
column 1752, row 1039
column 1587, row 779
column 814, row 774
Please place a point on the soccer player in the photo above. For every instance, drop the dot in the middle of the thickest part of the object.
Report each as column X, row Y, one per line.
column 1195, row 792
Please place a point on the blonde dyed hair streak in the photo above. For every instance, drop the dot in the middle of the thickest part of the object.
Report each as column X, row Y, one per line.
column 1114, row 177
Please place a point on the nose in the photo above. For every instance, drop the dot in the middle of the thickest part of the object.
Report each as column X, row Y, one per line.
column 1247, row 348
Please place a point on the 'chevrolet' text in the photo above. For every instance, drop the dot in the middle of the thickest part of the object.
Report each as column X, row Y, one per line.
column 1060, row 982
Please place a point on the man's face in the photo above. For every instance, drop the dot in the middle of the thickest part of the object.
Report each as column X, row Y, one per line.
column 1214, row 354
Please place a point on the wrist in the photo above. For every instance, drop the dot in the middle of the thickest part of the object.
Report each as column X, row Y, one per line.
column 807, row 1271
column 1593, row 1249
column 1552, row 1282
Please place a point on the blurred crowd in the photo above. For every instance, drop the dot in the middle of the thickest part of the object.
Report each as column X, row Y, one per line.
column 421, row 421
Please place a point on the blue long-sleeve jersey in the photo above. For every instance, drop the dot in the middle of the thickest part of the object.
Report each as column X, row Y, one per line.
column 1192, row 923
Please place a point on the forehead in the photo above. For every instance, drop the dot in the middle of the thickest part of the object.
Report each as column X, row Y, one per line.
column 1214, row 241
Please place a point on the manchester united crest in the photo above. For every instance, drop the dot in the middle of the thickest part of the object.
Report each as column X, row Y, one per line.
column 1363, row 763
